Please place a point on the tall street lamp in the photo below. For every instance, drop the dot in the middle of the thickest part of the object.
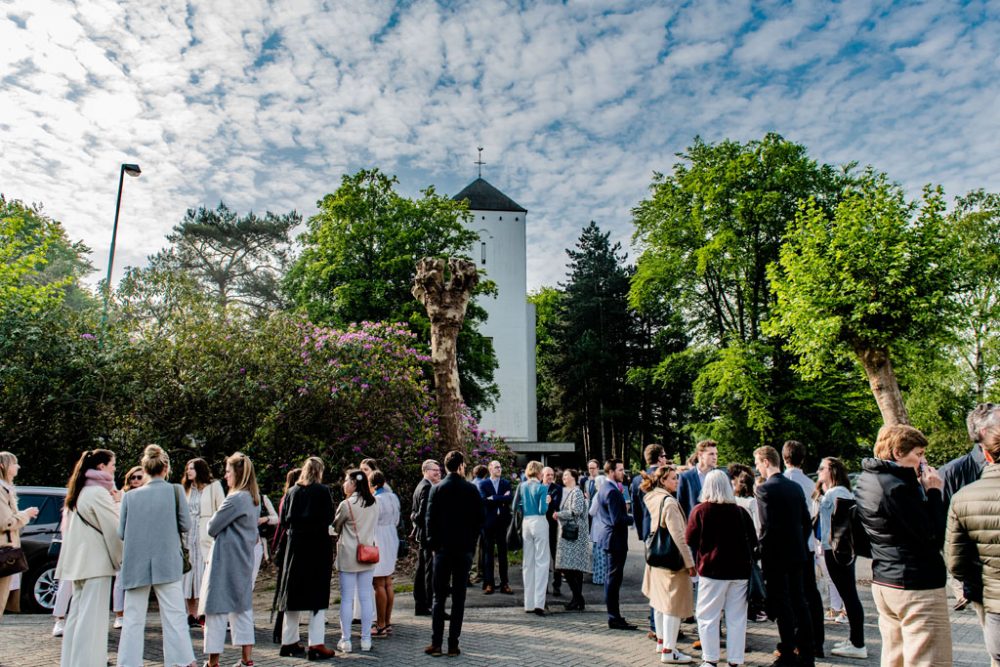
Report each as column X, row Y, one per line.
column 134, row 171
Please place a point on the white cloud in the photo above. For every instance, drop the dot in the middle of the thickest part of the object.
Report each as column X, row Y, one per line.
column 577, row 104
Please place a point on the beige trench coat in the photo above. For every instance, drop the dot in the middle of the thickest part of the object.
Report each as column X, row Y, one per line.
column 669, row 592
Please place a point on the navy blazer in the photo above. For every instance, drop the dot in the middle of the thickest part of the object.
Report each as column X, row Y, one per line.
column 497, row 503
column 784, row 522
column 611, row 524
column 688, row 490
column 454, row 515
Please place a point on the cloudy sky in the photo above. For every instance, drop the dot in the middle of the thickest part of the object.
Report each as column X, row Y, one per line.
column 266, row 104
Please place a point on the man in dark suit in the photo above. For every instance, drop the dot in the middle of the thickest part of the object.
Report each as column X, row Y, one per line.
column 454, row 522
column 784, row 530
column 423, row 588
column 611, row 534
column 689, row 484
column 497, row 495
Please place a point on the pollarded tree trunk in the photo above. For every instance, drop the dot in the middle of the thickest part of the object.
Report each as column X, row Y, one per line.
column 882, row 380
column 446, row 299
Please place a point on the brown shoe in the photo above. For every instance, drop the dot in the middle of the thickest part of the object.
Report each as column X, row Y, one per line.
column 454, row 652
column 488, row 590
column 506, row 590
column 319, row 652
column 433, row 651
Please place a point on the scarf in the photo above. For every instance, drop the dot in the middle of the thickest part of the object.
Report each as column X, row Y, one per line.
column 100, row 478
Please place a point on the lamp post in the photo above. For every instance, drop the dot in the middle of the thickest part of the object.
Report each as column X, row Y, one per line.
column 134, row 171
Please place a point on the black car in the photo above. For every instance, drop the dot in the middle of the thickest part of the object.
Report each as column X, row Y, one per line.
column 38, row 584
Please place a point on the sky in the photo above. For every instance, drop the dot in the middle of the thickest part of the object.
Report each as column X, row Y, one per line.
column 265, row 105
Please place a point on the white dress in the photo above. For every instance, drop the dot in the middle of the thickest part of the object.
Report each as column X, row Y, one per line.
column 386, row 537
column 191, row 583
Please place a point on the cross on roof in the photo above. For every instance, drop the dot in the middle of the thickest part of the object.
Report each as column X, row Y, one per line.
column 480, row 162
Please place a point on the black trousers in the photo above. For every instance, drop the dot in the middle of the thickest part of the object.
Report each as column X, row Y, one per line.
column 575, row 580
column 423, row 580
column 553, row 541
column 451, row 571
column 786, row 601
column 613, row 582
column 815, row 603
column 495, row 539
column 843, row 578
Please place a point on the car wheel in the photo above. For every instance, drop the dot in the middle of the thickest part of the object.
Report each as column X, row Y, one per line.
column 38, row 588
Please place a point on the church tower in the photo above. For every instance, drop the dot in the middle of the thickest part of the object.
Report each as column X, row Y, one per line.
column 501, row 256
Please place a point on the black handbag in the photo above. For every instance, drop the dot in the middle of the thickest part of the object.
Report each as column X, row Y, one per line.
column 12, row 560
column 661, row 550
column 514, row 539
column 570, row 531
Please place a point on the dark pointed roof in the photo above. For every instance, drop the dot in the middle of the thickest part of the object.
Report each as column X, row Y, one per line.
column 484, row 197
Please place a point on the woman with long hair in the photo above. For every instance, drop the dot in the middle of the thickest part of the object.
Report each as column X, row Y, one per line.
column 670, row 592
column 304, row 584
column 387, row 541
column 722, row 535
column 12, row 520
column 204, row 497
column 533, row 498
column 91, row 553
column 833, row 478
column 134, row 479
column 227, row 587
column 354, row 524
column 152, row 520
column 573, row 555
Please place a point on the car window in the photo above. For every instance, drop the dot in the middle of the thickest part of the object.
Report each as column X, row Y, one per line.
column 48, row 507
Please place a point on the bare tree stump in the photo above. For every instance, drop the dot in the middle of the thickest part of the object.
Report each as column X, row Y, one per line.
column 446, row 299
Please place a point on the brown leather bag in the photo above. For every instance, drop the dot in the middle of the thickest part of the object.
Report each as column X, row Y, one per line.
column 12, row 560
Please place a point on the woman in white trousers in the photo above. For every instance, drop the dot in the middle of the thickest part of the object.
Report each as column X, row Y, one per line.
column 90, row 555
column 533, row 498
column 152, row 520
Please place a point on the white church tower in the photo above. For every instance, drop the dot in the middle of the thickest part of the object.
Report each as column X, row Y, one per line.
column 501, row 256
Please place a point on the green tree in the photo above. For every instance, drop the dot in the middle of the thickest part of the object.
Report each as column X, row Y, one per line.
column 237, row 260
column 358, row 261
column 547, row 302
column 875, row 276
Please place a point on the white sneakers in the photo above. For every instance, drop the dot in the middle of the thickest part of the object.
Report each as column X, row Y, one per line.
column 846, row 649
column 366, row 644
column 57, row 629
column 118, row 623
column 344, row 646
column 674, row 657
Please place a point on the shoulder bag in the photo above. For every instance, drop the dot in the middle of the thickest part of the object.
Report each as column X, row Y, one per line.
column 366, row 553
column 185, row 553
column 570, row 529
column 12, row 560
column 661, row 551
column 514, row 539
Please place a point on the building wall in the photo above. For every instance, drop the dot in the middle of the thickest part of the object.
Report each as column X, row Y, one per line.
column 501, row 257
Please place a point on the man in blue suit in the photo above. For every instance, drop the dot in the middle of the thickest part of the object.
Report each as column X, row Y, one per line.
column 497, row 496
column 689, row 487
column 611, row 534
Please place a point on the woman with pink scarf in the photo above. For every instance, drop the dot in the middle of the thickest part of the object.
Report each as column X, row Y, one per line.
column 91, row 553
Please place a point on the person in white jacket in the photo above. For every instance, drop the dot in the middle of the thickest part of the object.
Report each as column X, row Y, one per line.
column 90, row 555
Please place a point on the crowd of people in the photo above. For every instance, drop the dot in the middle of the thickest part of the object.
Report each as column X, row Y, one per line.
column 722, row 547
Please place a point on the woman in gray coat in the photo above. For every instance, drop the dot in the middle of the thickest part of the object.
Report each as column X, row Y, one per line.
column 573, row 555
column 227, row 590
column 152, row 518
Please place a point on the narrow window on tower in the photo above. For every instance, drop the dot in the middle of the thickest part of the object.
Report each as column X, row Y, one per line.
column 482, row 249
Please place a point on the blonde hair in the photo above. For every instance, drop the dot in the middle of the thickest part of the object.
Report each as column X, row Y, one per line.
column 7, row 459
column 244, row 478
column 312, row 471
column 898, row 439
column 534, row 469
column 155, row 460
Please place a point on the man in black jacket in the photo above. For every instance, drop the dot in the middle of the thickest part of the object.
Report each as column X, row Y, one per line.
column 455, row 518
column 784, row 528
column 423, row 588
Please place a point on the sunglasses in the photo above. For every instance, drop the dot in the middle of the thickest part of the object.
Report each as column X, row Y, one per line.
column 135, row 478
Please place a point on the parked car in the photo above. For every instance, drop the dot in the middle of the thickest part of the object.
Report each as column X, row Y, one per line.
column 38, row 584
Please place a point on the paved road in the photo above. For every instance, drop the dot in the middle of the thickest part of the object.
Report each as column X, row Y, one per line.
column 497, row 632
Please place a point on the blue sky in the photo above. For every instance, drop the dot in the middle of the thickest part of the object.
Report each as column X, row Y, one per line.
column 267, row 104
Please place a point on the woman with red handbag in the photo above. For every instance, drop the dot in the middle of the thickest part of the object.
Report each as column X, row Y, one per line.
column 357, row 556
column 11, row 523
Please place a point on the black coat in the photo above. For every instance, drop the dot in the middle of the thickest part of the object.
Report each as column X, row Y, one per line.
column 306, row 515
column 905, row 525
column 455, row 515
column 418, row 515
column 784, row 522
column 962, row 471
